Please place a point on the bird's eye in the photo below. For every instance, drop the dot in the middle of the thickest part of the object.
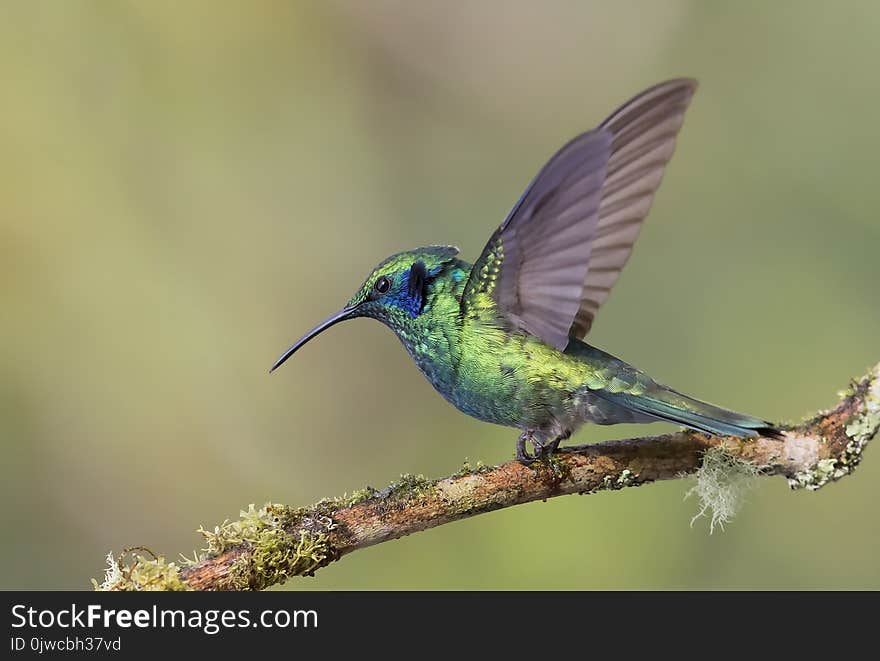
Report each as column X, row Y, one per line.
column 382, row 285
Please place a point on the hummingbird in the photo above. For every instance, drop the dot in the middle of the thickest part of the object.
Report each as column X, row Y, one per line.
column 502, row 339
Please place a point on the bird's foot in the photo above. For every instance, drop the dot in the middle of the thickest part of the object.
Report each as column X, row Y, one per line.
column 524, row 457
column 554, row 444
column 542, row 451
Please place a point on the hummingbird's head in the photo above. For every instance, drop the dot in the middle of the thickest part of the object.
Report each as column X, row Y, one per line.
column 395, row 292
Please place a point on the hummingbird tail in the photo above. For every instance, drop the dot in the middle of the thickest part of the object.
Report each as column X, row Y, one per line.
column 669, row 405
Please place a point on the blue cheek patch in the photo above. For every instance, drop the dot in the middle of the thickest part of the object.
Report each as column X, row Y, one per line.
column 411, row 297
column 409, row 294
column 412, row 305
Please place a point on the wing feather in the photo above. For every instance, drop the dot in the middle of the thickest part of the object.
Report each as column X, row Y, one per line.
column 645, row 133
column 553, row 261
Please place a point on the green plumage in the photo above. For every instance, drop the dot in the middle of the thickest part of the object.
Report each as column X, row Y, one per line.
column 497, row 373
column 502, row 339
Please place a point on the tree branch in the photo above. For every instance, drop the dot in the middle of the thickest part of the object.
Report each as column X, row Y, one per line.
column 266, row 546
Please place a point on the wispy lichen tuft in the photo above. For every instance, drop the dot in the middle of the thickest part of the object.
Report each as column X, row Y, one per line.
column 143, row 574
column 722, row 482
column 112, row 575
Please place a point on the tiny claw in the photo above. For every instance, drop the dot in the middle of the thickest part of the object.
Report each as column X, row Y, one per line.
column 541, row 450
column 524, row 457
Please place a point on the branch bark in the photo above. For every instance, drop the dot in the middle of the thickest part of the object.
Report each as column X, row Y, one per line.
column 271, row 544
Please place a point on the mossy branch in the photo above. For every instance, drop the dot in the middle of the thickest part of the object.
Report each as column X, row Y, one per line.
column 267, row 546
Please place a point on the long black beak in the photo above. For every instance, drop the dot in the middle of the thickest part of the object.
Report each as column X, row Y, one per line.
column 342, row 315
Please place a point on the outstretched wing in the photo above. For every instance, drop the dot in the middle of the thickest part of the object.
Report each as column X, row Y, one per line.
column 554, row 259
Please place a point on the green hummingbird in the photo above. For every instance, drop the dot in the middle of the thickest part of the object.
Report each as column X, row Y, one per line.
column 502, row 339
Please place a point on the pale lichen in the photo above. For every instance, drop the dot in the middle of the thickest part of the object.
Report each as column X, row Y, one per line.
column 112, row 575
column 625, row 478
column 143, row 574
column 458, row 493
column 860, row 429
column 722, row 481
column 818, row 475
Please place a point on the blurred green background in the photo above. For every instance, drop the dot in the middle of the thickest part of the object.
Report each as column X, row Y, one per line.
column 186, row 187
